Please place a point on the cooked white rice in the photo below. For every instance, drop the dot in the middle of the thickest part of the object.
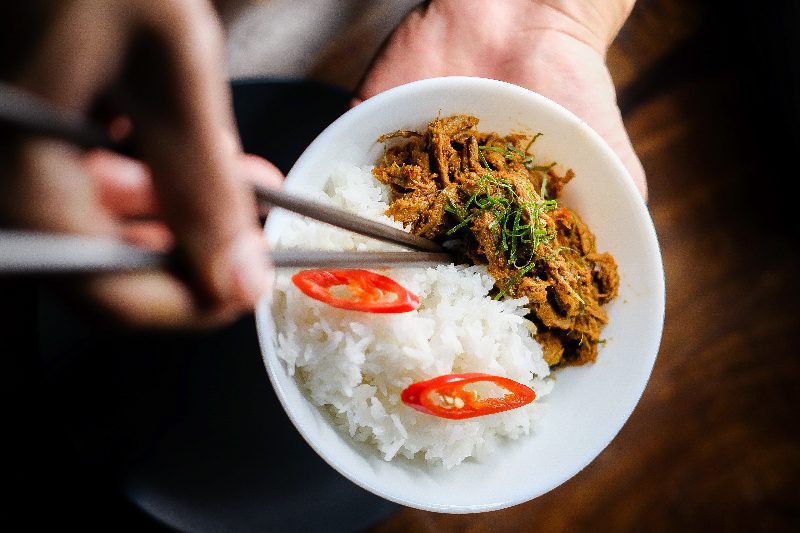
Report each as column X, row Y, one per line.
column 355, row 364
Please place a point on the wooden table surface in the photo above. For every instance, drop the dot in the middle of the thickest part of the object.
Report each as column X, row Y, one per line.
column 713, row 444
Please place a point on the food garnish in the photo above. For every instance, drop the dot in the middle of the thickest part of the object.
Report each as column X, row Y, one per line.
column 448, row 396
column 356, row 290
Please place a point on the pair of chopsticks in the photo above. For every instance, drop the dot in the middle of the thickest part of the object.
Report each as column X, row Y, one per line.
column 32, row 253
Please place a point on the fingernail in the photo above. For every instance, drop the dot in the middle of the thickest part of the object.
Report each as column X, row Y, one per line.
column 130, row 172
column 124, row 171
column 247, row 275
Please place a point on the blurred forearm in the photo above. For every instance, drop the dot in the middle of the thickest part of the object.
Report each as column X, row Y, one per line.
column 596, row 23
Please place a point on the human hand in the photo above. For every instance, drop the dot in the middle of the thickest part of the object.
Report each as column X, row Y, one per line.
column 159, row 63
column 554, row 47
column 125, row 190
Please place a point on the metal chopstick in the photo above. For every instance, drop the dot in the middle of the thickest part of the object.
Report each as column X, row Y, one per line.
column 36, row 254
column 326, row 259
column 345, row 220
column 32, row 114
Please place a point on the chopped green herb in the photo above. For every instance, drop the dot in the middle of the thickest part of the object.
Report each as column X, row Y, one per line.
column 533, row 140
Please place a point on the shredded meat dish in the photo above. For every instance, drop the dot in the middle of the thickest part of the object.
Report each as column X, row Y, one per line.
column 486, row 192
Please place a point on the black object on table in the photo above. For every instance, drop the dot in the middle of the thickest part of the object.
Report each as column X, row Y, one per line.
column 174, row 430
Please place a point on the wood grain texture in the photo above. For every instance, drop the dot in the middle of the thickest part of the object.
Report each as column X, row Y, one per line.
column 714, row 442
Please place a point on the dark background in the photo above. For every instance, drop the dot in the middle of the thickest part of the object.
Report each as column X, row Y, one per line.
column 709, row 93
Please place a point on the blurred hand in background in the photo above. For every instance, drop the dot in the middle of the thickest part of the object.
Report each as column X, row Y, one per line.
column 156, row 68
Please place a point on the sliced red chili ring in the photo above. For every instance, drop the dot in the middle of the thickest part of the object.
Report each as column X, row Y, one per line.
column 446, row 397
column 359, row 290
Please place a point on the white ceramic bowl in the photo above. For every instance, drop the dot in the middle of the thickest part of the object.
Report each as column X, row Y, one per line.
column 589, row 404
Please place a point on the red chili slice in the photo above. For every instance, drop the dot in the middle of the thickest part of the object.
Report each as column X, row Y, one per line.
column 361, row 290
column 445, row 396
